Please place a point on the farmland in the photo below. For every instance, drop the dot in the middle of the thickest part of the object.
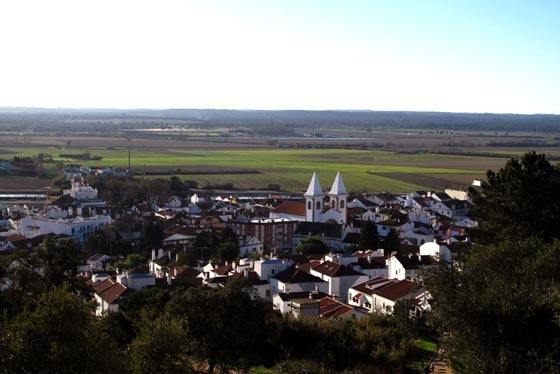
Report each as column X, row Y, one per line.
column 291, row 169
column 267, row 150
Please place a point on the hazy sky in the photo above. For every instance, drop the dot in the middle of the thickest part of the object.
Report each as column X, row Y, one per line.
column 472, row 56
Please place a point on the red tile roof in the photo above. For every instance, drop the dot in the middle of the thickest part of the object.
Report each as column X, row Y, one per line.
column 113, row 293
column 334, row 269
column 296, row 208
column 332, row 309
column 15, row 238
column 390, row 289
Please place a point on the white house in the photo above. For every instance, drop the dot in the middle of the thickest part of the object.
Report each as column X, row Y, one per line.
column 98, row 262
column 339, row 277
column 269, row 268
column 249, row 245
column 296, row 280
column 136, row 281
column 407, row 267
column 80, row 190
column 107, row 294
column 379, row 295
column 435, row 250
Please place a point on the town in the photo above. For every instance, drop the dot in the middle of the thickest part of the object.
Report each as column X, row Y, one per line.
column 326, row 254
column 323, row 255
column 279, row 187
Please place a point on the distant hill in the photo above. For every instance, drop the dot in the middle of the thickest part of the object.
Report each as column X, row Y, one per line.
column 299, row 118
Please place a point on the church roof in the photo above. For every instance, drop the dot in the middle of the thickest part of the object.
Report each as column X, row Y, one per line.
column 338, row 186
column 314, row 188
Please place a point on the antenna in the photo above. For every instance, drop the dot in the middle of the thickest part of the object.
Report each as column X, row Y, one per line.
column 129, row 171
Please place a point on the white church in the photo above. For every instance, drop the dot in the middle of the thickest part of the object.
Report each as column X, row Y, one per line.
column 319, row 208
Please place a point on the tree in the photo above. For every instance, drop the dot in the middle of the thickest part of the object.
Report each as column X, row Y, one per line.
column 392, row 242
column 312, row 246
column 519, row 201
column 57, row 261
column 160, row 347
column 499, row 303
column 369, row 238
column 500, row 308
column 227, row 251
column 132, row 260
column 219, row 329
column 153, row 233
column 59, row 336
column 176, row 187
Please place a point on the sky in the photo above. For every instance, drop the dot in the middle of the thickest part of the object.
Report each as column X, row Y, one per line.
column 426, row 55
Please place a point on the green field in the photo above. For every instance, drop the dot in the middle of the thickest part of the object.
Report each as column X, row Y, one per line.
column 290, row 168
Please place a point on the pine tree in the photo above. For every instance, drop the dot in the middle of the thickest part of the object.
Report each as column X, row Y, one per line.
column 369, row 238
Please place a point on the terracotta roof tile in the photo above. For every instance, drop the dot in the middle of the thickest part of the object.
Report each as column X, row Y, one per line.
column 296, row 208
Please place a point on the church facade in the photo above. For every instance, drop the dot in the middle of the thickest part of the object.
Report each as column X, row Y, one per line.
column 330, row 208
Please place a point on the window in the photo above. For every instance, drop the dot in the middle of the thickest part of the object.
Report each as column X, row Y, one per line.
column 267, row 293
column 272, row 271
column 309, row 205
column 342, row 204
column 318, row 205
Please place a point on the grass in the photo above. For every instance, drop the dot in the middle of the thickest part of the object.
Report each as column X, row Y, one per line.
column 426, row 349
column 290, row 168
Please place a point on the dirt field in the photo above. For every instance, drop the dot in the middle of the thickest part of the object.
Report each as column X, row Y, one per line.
column 23, row 183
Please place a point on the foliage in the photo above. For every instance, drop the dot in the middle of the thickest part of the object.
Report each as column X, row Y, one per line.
column 501, row 307
column 219, row 330
column 132, row 260
column 227, row 251
column 369, row 238
column 152, row 233
column 219, row 247
column 60, row 335
column 520, row 201
column 160, row 347
column 391, row 242
column 312, row 246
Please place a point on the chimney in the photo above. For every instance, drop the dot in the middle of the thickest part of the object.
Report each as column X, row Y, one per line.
column 153, row 254
column 369, row 258
column 234, row 265
column 226, row 263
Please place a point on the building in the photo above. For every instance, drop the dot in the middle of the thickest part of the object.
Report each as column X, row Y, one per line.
column 379, row 295
column 273, row 233
column 327, row 210
column 79, row 228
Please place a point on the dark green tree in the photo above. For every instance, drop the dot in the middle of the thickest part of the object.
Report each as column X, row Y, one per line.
column 132, row 260
column 59, row 336
column 152, row 232
column 521, row 200
column 369, row 238
column 500, row 308
column 227, row 251
column 312, row 246
column 217, row 325
column 160, row 347
column 391, row 243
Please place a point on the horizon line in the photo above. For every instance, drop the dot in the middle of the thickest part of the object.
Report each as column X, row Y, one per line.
column 260, row 110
